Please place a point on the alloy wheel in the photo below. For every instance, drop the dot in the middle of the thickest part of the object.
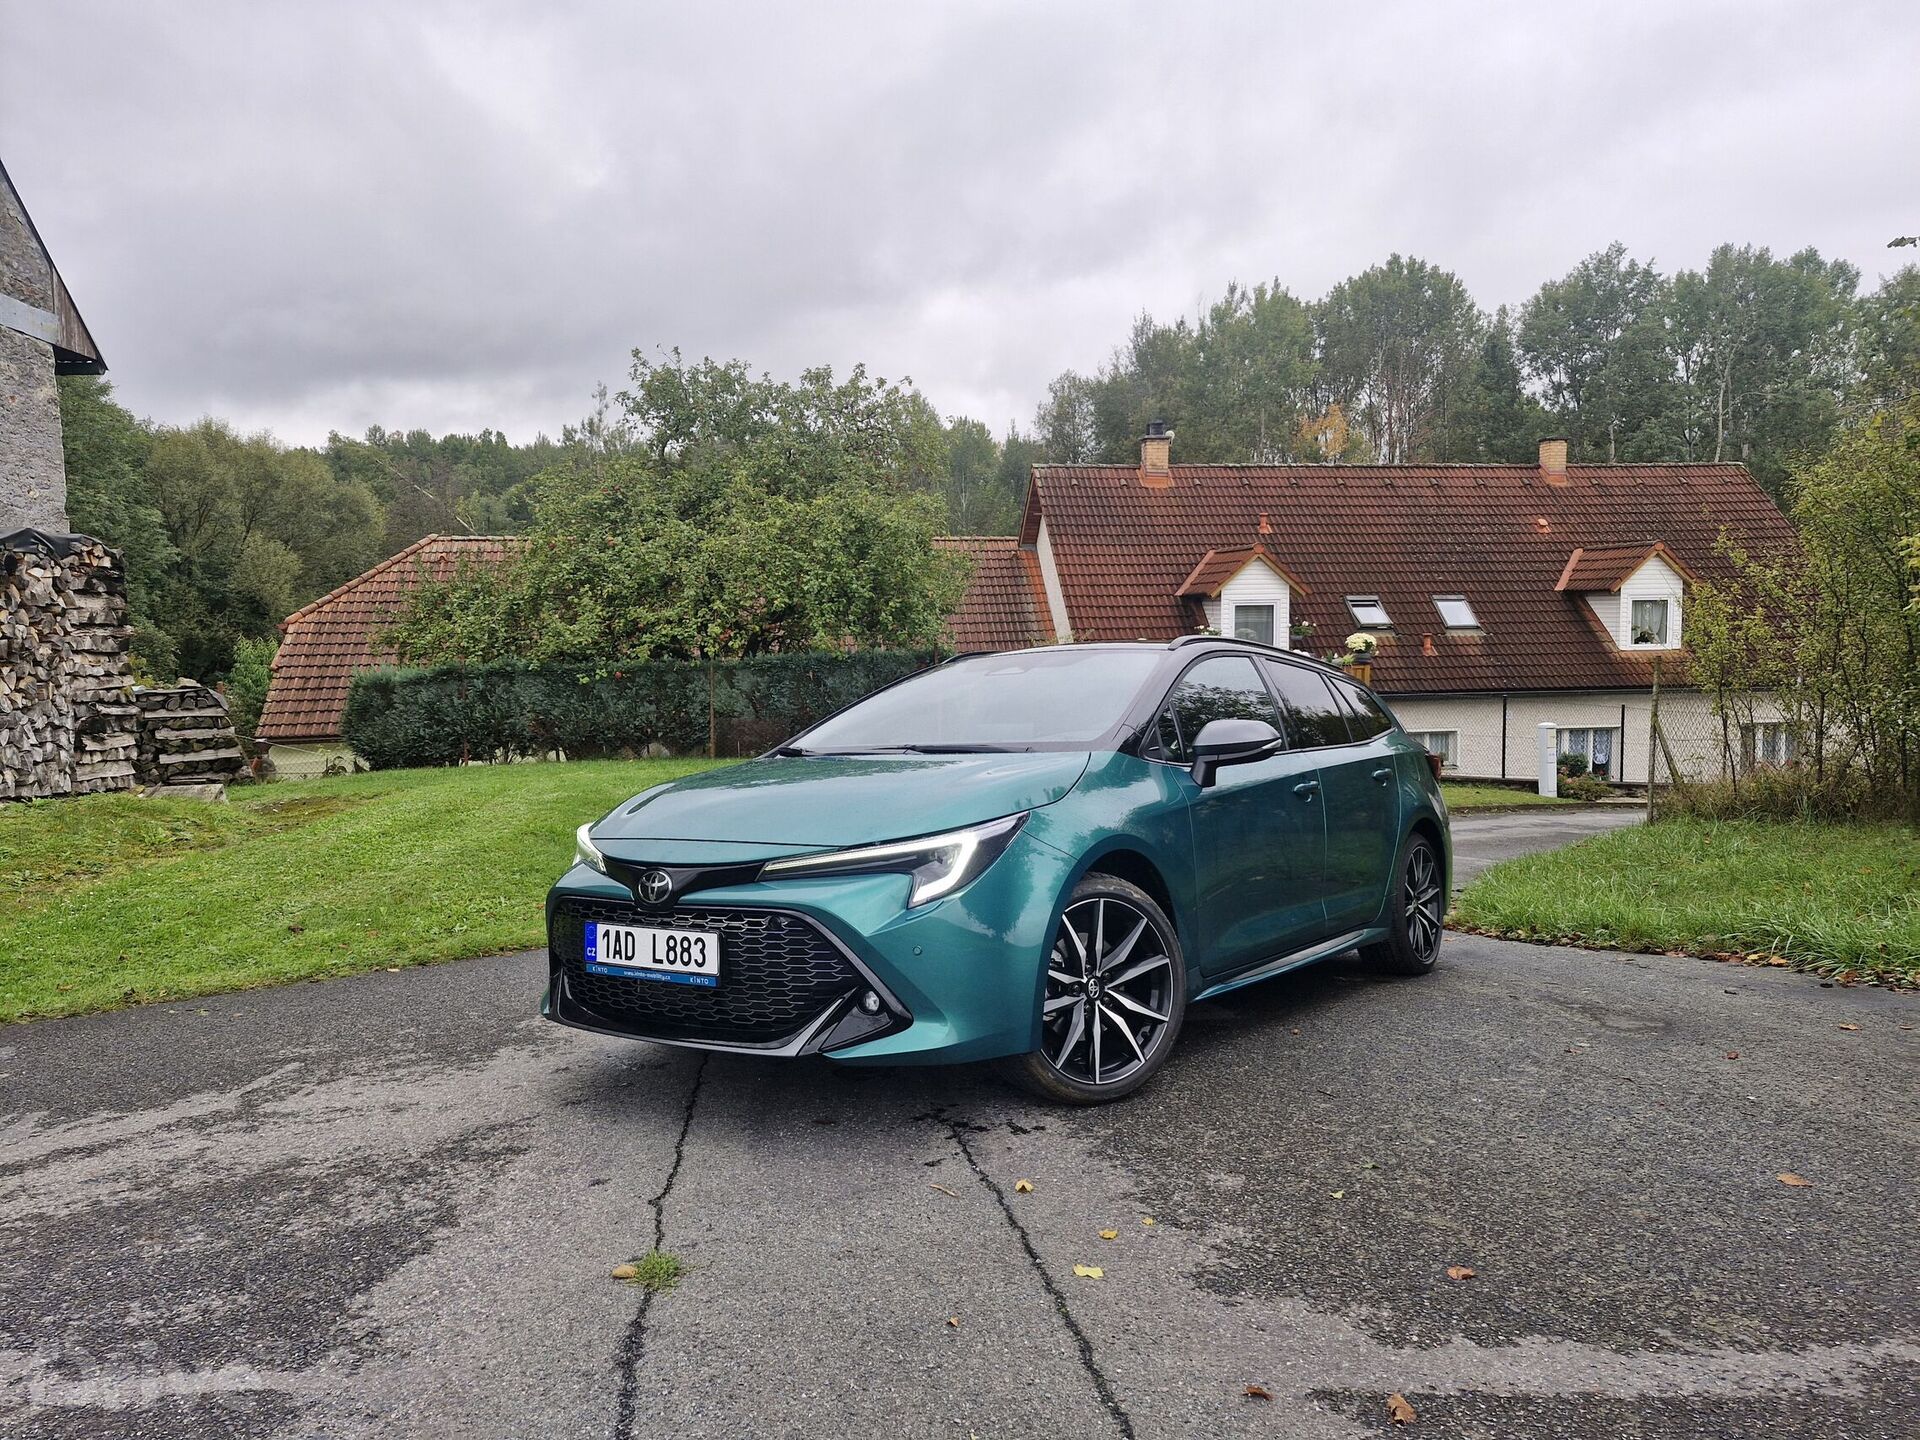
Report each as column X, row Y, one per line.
column 1423, row 905
column 1110, row 991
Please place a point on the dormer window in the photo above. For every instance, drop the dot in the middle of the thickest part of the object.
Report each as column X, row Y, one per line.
column 1648, row 623
column 1455, row 612
column 1369, row 613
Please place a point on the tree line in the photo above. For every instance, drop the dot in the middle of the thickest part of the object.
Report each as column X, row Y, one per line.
column 1752, row 357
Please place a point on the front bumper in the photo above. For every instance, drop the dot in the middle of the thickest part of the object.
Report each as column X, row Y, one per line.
column 958, row 979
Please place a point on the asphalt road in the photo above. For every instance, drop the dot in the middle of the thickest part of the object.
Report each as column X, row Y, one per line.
column 388, row 1206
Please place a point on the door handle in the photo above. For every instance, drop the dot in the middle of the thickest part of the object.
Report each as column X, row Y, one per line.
column 1307, row 789
column 1383, row 774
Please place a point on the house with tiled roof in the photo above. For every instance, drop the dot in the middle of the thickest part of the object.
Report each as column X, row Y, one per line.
column 326, row 642
column 1502, row 597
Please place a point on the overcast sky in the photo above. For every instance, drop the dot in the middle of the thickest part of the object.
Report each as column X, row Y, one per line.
column 309, row 216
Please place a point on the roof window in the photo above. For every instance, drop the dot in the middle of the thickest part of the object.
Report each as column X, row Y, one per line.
column 1455, row 612
column 1369, row 613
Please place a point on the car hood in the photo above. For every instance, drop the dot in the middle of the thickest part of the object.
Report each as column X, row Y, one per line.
column 824, row 801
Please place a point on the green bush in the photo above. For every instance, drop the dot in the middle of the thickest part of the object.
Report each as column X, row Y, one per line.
column 1581, row 786
column 509, row 709
column 1573, row 763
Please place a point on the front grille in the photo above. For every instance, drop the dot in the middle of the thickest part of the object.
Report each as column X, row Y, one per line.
column 777, row 973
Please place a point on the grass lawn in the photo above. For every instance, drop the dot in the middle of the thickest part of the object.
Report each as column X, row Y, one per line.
column 109, row 900
column 1465, row 799
column 1840, row 899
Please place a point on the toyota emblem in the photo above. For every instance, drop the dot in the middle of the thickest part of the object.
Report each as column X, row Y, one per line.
column 655, row 886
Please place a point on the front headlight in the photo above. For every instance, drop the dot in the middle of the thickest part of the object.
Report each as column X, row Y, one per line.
column 939, row 864
column 585, row 852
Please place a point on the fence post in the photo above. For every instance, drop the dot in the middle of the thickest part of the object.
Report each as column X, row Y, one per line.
column 1653, row 734
column 1549, row 758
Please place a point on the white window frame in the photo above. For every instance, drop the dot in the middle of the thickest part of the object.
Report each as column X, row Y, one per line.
column 1672, row 615
column 1585, row 747
column 1768, row 742
column 1449, row 754
column 1471, row 620
column 1357, row 603
column 1273, row 619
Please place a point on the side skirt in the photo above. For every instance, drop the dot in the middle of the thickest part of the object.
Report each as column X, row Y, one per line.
column 1313, row 954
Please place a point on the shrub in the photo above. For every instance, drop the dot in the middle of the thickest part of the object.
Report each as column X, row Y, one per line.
column 1573, row 763
column 1581, row 786
column 509, row 709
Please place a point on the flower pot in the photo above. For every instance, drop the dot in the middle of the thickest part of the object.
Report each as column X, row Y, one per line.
column 1361, row 670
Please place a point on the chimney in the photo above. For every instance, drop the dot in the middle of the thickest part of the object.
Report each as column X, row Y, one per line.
column 1156, row 449
column 1553, row 459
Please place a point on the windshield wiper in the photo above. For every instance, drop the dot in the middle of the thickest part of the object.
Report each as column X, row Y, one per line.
column 963, row 749
column 791, row 751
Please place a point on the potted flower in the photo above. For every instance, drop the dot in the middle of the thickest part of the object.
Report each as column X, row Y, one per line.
column 1358, row 657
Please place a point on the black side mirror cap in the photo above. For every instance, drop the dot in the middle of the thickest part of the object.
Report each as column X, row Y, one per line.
column 1231, row 742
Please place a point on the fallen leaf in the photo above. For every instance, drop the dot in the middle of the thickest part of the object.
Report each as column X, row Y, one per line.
column 1257, row 1392
column 1109, row 1234
column 1461, row 1272
column 953, row 1322
column 1089, row 1272
column 1847, row 1026
column 393, row 969
column 941, row 1188
column 1338, row 1194
column 626, row 1272
column 1787, row 1177
column 1399, row 1411
column 1146, row 1219
column 1023, row 1187
column 1733, row 1054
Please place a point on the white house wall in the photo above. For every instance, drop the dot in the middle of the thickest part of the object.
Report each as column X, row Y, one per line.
column 1050, row 582
column 1693, row 731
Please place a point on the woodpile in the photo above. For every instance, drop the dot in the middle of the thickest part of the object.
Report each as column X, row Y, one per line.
column 67, row 718
column 186, row 737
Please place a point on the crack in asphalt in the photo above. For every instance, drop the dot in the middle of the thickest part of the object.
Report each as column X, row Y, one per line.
column 1088, row 1363
column 633, row 1346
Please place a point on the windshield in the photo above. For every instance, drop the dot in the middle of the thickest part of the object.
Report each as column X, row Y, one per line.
column 1030, row 698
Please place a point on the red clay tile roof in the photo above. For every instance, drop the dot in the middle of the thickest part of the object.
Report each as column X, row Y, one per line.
column 325, row 643
column 1608, row 567
column 1005, row 606
column 1217, row 567
column 1494, row 533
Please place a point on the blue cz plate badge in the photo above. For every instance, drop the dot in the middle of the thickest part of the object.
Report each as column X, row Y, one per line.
column 642, row 952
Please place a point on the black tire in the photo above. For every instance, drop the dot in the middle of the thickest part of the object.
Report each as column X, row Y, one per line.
column 1148, row 997
column 1416, row 913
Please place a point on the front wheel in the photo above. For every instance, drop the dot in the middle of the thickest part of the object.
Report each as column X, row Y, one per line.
column 1114, row 998
column 1416, row 914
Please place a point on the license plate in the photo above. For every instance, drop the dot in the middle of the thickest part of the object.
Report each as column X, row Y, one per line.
column 642, row 952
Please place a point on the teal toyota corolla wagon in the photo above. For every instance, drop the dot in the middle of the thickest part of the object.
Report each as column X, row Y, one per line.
column 1040, row 857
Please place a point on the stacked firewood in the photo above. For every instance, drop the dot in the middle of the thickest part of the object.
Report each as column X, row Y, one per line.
column 186, row 737
column 67, row 720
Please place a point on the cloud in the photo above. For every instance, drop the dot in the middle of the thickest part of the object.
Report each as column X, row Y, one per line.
column 451, row 215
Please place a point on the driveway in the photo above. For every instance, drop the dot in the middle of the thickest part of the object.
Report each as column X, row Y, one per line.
column 387, row 1205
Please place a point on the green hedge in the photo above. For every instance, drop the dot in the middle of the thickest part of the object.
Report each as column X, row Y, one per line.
column 508, row 709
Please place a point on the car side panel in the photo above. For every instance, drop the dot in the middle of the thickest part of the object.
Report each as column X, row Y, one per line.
column 1362, row 790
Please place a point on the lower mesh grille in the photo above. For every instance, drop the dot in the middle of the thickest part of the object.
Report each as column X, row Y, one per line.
column 778, row 972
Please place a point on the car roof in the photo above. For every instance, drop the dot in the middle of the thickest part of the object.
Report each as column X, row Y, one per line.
column 1179, row 642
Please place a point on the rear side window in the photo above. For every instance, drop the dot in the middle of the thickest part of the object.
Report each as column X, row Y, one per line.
column 1365, row 715
column 1314, row 716
column 1226, row 687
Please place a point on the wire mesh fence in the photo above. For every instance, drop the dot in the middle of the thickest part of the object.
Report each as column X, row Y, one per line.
column 1730, row 755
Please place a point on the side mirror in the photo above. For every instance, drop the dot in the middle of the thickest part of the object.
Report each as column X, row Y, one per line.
column 1231, row 742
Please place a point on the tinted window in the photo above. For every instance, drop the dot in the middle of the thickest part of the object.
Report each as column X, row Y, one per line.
column 1028, row 697
column 1226, row 687
column 1314, row 717
column 1366, row 716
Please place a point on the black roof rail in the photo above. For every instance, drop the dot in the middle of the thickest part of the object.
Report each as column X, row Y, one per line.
column 1180, row 642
